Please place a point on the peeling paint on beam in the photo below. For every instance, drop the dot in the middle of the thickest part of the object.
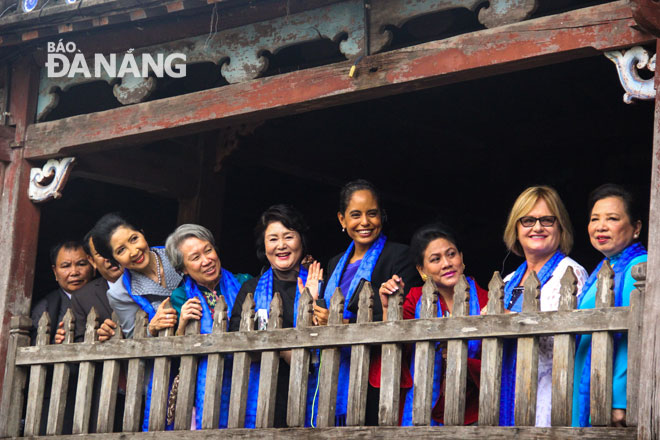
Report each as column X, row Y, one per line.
column 531, row 43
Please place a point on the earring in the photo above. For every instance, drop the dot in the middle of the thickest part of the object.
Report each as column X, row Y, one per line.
column 425, row 277
column 343, row 229
column 636, row 235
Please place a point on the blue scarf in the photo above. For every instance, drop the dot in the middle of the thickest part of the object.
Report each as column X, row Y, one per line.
column 364, row 271
column 507, row 398
column 229, row 287
column 621, row 262
column 473, row 351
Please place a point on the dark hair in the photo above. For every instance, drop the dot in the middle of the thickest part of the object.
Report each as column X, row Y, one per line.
column 289, row 216
column 85, row 242
column 103, row 230
column 425, row 235
column 630, row 203
column 66, row 244
column 359, row 185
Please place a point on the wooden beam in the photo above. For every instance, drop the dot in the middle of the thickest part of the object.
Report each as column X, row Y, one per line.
column 545, row 40
column 7, row 136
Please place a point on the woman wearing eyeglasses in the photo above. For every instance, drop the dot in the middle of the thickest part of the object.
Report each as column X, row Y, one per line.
column 539, row 229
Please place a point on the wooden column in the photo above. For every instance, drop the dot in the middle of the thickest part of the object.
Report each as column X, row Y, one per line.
column 19, row 217
column 649, row 385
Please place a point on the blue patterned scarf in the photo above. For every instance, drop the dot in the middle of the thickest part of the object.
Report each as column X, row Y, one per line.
column 621, row 262
column 507, row 398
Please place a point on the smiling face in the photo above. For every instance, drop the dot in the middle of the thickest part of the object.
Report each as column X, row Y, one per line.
column 443, row 263
column 200, row 261
column 610, row 228
column 105, row 268
column 538, row 240
column 130, row 249
column 362, row 218
column 72, row 269
column 283, row 247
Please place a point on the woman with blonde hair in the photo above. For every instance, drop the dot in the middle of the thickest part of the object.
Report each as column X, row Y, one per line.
column 538, row 229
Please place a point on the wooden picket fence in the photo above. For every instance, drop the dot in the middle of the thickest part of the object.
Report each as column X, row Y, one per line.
column 602, row 322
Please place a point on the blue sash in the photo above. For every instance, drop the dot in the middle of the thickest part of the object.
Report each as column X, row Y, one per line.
column 229, row 287
column 365, row 270
column 473, row 351
column 621, row 262
column 507, row 398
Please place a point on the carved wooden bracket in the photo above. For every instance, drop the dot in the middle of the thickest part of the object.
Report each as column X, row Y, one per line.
column 628, row 64
column 647, row 14
column 46, row 183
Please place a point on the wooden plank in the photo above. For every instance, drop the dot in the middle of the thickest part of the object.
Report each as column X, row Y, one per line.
column 109, row 385
column 563, row 357
column 15, row 377
column 85, row 386
column 185, row 399
column 407, row 331
column 60, row 384
column 425, row 360
column 135, row 380
column 602, row 352
column 527, row 364
column 491, row 360
column 531, row 43
column 215, row 367
column 359, row 371
column 390, row 373
column 457, row 351
column 299, row 373
column 241, row 370
column 160, row 387
column 270, row 365
column 37, row 382
column 329, row 368
column 635, row 343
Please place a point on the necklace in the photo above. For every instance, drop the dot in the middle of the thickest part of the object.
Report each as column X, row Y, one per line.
column 160, row 280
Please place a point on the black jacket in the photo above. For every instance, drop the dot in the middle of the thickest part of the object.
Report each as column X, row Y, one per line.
column 91, row 295
column 56, row 304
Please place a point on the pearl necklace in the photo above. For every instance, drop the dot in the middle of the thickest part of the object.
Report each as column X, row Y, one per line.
column 160, row 280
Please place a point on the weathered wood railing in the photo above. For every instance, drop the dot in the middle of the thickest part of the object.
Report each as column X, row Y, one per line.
column 492, row 328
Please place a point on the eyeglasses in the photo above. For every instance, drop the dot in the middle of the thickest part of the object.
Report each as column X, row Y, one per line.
column 529, row 221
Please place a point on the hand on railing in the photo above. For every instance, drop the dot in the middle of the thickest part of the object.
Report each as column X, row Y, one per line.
column 619, row 418
column 60, row 333
column 165, row 317
column 388, row 288
column 191, row 309
column 106, row 330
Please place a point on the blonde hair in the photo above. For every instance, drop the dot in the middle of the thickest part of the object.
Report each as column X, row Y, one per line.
column 524, row 204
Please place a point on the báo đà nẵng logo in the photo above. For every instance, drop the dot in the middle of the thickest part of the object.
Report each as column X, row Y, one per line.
column 65, row 60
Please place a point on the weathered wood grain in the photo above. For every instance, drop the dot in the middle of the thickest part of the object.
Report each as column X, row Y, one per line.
column 563, row 357
column 329, row 368
column 425, row 359
column 15, row 378
column 60, row 385
column 298, row 378
column 527, row 363
column 37, row 384
column 270, row 365
column 135, row 380
column 185, row 399
column 241, row 370
column 86, row 370
column 109, row 386
column 390, row 373
column 602, row 352
column 215, row 367
column 635, row 344
column 160, row 387
column 457, row 351
column 491, row 360
column 360, row 356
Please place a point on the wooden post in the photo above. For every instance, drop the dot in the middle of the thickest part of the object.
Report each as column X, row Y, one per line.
column 60, row 386
column 160, row 388
column 135, row 380
column 425, row 360
column 15, row 378
column 329, row 369
column 85, row 387
column 457, row 351
column 215, row 367
column 634, row 344
column 359, row 372
column 185, row 399
column 270, row 366
column 298, row 378
column 37, row 382
column 602, row 352
column 527, row 364
column 390, row 378
column 563, row 357
column 241, row 371
column 109, row 385
column 491, row 360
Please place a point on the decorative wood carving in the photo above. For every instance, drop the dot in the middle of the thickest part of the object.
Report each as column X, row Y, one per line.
column 46, row 183
column 628, row 64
